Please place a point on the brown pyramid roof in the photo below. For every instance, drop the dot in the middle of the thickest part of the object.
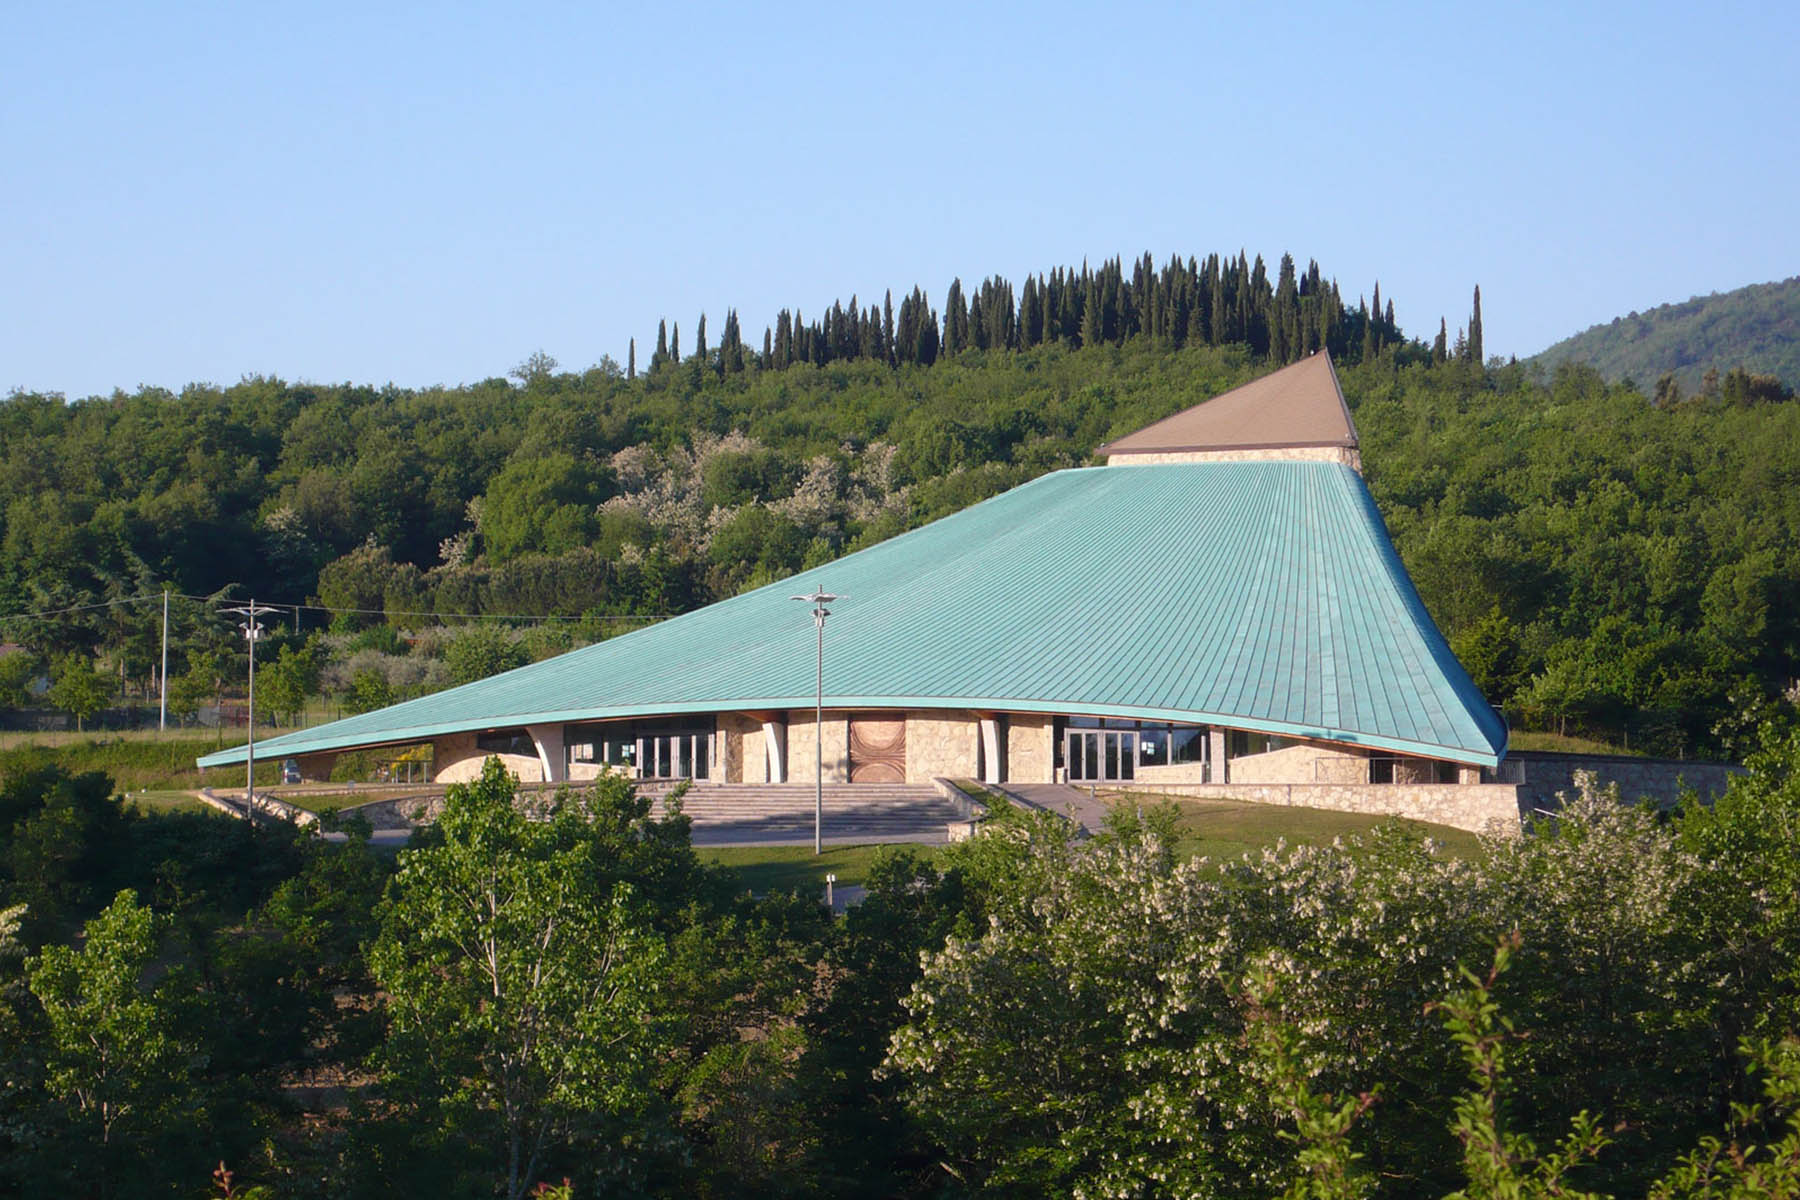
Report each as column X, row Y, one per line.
column 1299, row 405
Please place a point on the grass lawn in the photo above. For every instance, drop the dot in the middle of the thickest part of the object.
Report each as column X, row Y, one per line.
column 135, row 760
column 323, row 801
column 1558, row 743
column 167, row 800
column 1218, row 829
column 795, row 868
column 1228, row 828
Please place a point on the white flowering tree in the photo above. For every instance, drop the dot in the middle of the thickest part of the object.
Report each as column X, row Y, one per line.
column 1092, row 1039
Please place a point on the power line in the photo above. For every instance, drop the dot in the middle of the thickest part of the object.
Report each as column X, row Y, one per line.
column 75, row 608
column 370, row 612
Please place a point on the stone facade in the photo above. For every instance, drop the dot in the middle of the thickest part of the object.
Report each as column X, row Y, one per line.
column 1030, row 748
column 456, row 758
column 1348, row 455
column 804, row 745
column 944, row 744
column 735, row 746
column 1308, row 762
column 587, row 772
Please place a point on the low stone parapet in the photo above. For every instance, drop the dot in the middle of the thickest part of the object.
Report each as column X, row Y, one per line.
column 1478, row 808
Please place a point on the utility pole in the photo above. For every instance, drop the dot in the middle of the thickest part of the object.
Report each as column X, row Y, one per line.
column 819, row 599
column 162, row 711
column 252, row 631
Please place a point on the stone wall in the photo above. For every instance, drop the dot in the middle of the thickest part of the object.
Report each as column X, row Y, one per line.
column 1478, row 808
column 1305, row 763
column 804, row 743
column 1659, row 780
column 939, row 743
column 1030, row 748
column 456, row 759
column 1348, row 455
column 587, row 772
column 739, row 741
column 1181, row 773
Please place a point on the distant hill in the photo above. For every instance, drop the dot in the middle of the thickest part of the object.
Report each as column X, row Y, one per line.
column 1756, row 327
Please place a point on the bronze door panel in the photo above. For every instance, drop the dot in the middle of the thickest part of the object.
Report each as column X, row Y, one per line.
column 877, row 750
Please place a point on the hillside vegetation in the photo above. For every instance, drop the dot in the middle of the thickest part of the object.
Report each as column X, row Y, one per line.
column 1754, row 328
column 1604, row 565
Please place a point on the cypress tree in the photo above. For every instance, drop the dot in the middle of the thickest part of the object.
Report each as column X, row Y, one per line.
column 1211, row 329
column 887, row 327
column 662, row 346
column 731, row 345
column 784, row 341
column 1284, row 325
column 675, row 342
column 631, row 360
column 767, row 356
column 929, row 344
column 1114, row 319
column 700, row 340
column 956, row 319
column 1372, row 331
column 1259, row 300
column 1440, row 349
column 1093, row 324
column 906, row 337
column 1475, row 355
column 1031, row 314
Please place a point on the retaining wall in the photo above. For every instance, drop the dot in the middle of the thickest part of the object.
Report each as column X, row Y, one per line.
column 1658, row 780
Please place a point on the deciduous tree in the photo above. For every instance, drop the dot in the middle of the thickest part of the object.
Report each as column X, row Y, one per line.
column 521, row 981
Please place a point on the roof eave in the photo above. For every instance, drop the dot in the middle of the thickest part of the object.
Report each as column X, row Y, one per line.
column 297, row 744
column 1116, row 448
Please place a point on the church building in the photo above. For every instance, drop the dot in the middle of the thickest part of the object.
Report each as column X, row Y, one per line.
column 1218, row 605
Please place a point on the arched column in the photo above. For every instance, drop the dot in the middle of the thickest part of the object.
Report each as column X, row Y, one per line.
column 553, row 752
column 993, row 748
column 775, row 749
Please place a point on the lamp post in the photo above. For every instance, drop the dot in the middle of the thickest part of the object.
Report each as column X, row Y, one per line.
column 252, row 631
column 819, row 599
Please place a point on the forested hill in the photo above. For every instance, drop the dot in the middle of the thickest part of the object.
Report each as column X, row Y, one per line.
column 1601, row 563
column 1754, row 328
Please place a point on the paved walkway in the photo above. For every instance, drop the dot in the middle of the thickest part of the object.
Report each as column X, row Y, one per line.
column 1075, row 803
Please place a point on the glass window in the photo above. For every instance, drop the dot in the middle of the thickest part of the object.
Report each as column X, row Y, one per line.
column 1243, row 742
column 505, row 741
column 1153, row 746
column 1187, row 743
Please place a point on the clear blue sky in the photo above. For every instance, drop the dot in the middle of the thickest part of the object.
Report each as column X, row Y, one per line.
column 427, row 194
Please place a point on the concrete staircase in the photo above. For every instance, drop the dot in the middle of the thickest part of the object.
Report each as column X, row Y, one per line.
column 738, row 813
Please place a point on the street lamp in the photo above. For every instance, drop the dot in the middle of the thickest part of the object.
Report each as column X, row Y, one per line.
column 252, row 631
column 819, row 599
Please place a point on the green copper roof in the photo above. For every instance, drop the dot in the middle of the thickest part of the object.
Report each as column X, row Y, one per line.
column 1261, row 595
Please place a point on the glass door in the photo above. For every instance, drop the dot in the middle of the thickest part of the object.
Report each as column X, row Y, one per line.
column 1101, row 755
column 674, row 755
